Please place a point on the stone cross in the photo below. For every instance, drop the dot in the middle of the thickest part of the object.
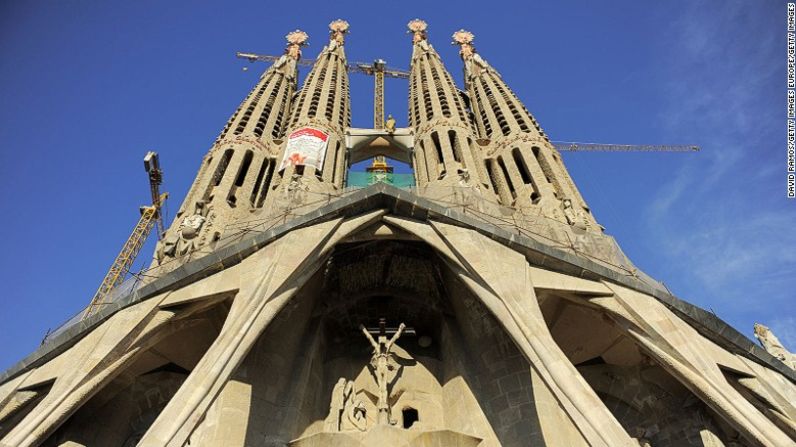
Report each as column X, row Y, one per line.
column 382, row 362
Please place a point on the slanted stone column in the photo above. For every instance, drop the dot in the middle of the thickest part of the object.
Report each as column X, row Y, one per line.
column 499, row 276
column 680, row 350
column 103, row 355
column 268, row 280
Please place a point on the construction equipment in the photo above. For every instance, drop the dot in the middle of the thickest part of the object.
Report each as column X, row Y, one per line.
column 251, row 57
column 599, row 147
column 379, row 70
column 151, row 215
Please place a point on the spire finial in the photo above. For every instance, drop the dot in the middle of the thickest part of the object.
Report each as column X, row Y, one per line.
column 418, row 29
column 337, row 30
column 295, row 40
column 464, row 39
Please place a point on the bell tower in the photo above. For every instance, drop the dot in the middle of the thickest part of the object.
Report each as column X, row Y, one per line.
column 314, row 154
column 446, row 154
column 235, row 176
column 525, row 169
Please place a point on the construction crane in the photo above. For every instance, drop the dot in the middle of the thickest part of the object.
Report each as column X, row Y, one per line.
column 379, row 70
column 151, row 216
column 599, row 147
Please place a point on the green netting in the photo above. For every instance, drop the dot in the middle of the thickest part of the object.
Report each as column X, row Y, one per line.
column 362, row 179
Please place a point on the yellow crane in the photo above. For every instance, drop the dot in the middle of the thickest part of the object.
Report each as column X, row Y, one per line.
column 378, row 69
column 151, row 215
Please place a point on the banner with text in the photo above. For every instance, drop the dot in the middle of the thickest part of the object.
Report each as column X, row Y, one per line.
column 306, row 146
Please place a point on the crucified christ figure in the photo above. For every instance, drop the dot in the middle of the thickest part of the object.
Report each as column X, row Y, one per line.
column 382, row 363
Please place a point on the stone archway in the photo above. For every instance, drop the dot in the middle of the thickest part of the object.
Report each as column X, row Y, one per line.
column 649, row 403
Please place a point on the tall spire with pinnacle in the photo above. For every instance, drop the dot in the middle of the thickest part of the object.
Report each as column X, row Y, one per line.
column 446, row 153
column 525, row 169
column 322, row 113
column 235, row 175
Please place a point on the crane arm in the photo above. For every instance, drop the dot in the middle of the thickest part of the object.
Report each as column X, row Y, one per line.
column 252, row 57
column 599, row 147
column 396, row 73
column 380, row 70
column 355, row 67
column 378, row 65
column 124, row 260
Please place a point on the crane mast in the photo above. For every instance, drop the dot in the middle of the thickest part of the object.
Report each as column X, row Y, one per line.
column 378, row 70
column 378, row 94
column 150, row 216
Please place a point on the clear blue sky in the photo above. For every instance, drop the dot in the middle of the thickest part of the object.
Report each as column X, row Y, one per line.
column 88, row 87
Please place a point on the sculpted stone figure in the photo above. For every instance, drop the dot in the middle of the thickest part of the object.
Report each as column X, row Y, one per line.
column 382, row 364
column 297, row 183
column 354, row 412
column 774, row 347
column 336, row 405
column 346, row 412
column 184, row 239
column 389, row 126
column 576, row 217
column 569, row 213
column 464, row 177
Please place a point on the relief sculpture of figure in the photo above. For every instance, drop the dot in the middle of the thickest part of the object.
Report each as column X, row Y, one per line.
column 382, row 364
column 354, row 412
column 336, row 405
column 185, row 239
column 346, row 412
column 389, row 126
column 573, row 218
column 774, row 347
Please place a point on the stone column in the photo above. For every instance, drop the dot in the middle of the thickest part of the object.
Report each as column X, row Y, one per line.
column 679, row 349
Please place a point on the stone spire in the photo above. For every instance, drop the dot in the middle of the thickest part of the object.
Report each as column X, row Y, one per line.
column 322, row 112
column 253, row 117
column 446, row 153
column 524, row 168
column 234, row 178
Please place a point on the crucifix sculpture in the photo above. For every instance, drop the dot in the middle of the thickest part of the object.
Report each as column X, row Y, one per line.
column 383, row 363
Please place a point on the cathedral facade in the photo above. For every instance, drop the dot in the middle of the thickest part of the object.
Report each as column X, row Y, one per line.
column 482, row 306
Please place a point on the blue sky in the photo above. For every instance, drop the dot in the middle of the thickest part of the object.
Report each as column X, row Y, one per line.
column 88, row 87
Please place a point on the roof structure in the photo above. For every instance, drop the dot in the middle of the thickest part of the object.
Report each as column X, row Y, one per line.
column 407, row 204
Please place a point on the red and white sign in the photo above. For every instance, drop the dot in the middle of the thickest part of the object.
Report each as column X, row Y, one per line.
column 306, row 146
